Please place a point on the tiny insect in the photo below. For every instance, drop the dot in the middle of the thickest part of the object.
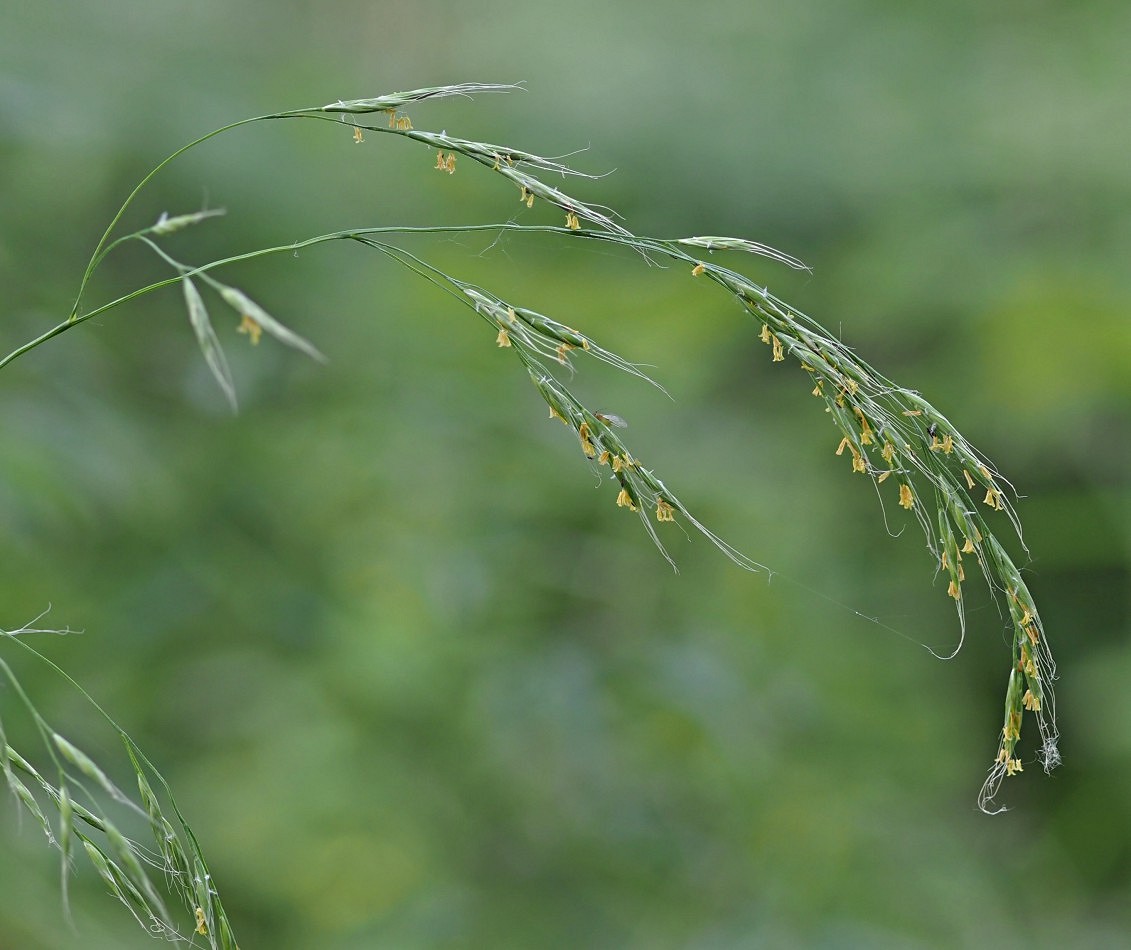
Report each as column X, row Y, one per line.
column 611, row 420
column 933, row 429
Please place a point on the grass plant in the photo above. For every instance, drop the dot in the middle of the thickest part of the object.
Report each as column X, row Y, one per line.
column 82, row 812
column 892, row 436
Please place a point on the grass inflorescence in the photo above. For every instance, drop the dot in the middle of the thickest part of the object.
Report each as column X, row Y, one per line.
column 82, row 813
column 889, row 434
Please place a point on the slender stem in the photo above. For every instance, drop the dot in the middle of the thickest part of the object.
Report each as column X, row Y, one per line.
column 353, row 234
column 101, row 249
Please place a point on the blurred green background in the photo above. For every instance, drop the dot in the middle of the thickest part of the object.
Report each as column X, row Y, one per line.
column 417, row 681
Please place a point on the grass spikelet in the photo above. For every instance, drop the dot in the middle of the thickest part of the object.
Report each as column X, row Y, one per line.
column 87, row 766
column 66, row 839
column 749, row 247
column 101, row 864
column 398, row 100
column 248, row 309
column 166, row 225
column 120, row 885
column 209, row 344
column 27, row 799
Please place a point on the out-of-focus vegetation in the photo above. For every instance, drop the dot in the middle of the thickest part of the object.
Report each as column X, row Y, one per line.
column 416, row 682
